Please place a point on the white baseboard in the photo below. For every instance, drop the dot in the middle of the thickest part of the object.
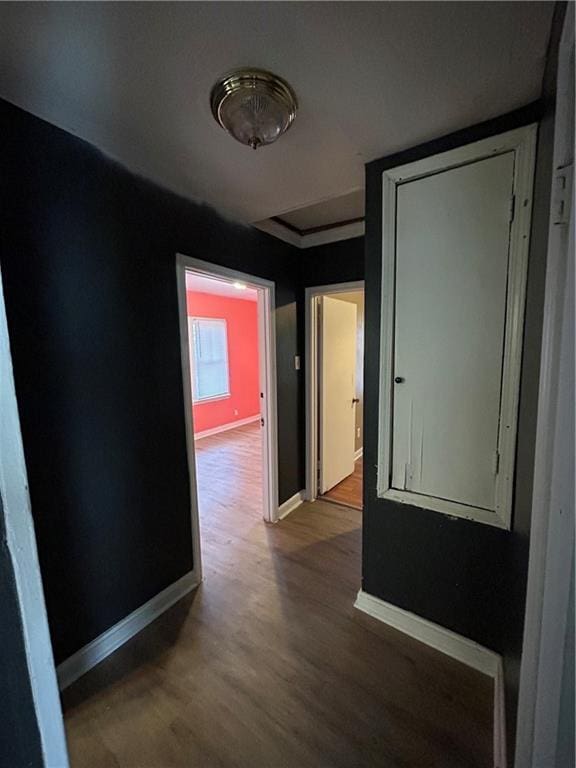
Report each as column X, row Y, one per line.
column 458, row 647
column 106, row 643
column 358, row 454
column 226, row 427
column 290, row 504
column 461, row 648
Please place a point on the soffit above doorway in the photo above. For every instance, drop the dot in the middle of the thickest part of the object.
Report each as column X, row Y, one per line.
column 338, row 218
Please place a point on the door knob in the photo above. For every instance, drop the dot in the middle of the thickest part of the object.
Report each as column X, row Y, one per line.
column 399, row 379
column 355, row 400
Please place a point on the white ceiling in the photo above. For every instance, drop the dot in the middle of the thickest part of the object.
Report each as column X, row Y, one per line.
column 372, row 78
column 217, row 287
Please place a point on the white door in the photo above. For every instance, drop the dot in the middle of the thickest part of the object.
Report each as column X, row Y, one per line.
column 451, row 280
column 337, row 358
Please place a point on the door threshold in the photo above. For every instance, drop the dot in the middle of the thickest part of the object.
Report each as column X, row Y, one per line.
column 340, row 503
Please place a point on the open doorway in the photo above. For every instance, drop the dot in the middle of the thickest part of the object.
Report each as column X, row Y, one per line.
column 228, row 364
column 334, row 391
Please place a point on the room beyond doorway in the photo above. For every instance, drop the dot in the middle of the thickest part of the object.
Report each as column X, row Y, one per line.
column 229, row 476
column 225, row 376
column 334, row 392
column 228, row 365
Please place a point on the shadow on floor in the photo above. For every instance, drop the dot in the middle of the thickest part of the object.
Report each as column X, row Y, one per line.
column 146, row 647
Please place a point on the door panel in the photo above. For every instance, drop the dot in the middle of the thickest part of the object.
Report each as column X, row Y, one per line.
column 451, row 281
column 337, row 386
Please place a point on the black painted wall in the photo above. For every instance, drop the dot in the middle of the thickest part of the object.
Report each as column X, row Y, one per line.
column 460, row 574
column 88, row 260
column 19, row 736
column 340, row 262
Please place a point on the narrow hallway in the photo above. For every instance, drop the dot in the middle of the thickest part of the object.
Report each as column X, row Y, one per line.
column 268, row 664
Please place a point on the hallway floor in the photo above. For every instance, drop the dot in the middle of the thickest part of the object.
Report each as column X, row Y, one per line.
column 268, row 665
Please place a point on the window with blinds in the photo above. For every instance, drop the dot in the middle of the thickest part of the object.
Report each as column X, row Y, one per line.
column 210, row 377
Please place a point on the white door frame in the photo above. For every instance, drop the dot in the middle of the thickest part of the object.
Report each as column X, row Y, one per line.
column 21, row 542
column 552, row 530
column 311, row 366
column 267, row 356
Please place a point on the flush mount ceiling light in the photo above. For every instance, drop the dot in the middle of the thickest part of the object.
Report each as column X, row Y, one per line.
column 254, row 106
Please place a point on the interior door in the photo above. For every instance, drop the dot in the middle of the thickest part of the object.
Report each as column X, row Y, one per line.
column 451, row 281
column 337, row 389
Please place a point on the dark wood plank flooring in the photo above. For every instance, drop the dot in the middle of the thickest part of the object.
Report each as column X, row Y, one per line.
column 349, row 491
column 268, row 665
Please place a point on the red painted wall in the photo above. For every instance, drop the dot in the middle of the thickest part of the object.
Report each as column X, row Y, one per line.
column 242, row 322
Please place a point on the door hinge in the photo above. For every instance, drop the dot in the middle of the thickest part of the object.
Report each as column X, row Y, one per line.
column 562, row 195
column 496, row 462
column 512, row 208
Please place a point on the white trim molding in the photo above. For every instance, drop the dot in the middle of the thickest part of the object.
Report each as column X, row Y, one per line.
column 333, row 235
column 456, row 646
column 522, row 142
column 311, row 370
column 274, row 228
column 548, row 619
column 21, row 544
column 310, row 239
column 226, row 427
column 105, row 644
column 291, row 504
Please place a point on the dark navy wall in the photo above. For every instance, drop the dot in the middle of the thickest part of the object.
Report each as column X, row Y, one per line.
column 88, row 260
column 340, row 262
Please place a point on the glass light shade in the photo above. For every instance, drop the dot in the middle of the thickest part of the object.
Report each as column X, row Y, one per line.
column 254, row 106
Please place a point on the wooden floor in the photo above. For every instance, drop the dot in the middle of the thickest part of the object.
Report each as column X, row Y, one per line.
column 229, row 473
column 268, row 665
column 349, row 491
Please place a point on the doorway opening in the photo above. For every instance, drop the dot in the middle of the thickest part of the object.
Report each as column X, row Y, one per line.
column 335, row 393
column 228, row 365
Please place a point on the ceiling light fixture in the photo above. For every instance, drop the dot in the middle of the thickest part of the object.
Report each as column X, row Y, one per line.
column 254, row 106
column 239, row 286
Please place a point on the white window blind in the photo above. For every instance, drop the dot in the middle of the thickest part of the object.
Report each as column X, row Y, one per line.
column 210, row 377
